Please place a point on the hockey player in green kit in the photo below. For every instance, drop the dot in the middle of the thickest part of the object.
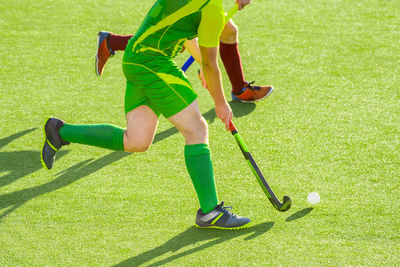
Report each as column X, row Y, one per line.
column 155, row 85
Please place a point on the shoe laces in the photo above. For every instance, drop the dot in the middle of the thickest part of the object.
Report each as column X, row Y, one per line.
column 226, row 210
column 253, row 87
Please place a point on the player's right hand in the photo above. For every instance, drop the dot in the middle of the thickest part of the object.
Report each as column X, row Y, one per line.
column 224, row 112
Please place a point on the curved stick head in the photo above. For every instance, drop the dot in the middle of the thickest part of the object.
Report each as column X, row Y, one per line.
column 287, row 202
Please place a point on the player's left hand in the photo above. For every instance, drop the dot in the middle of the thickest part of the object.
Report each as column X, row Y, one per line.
column 242, row 3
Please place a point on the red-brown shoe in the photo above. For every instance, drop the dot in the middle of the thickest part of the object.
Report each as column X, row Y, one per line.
column 104, row 52
column 252, row 93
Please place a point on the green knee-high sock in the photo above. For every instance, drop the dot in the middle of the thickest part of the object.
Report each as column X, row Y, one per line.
column 100, row 135
column 200, row 168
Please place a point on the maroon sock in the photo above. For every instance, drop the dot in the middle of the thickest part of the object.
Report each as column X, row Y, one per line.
column 118, row 42
column 233, row 65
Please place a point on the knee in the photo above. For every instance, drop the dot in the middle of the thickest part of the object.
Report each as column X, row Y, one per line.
column 136, row 148
column 230, row 33
column 232, row 28
column 198, row 132
column 136, row 145
column 203, row 127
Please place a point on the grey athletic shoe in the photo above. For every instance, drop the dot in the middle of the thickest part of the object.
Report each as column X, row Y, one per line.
column 52, row 142
column 221, row 218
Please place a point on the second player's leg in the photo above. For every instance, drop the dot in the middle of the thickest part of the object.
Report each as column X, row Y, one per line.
column 230, row 33
column 230, row 56
column 107, row 44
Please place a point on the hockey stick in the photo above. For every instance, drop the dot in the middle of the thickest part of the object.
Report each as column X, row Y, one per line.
column 287, row 202
column 228, row 16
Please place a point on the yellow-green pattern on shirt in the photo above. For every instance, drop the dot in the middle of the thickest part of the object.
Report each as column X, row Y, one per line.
column 170, row 23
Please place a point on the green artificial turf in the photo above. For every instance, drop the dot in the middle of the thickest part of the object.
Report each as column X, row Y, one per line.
column 332, row 126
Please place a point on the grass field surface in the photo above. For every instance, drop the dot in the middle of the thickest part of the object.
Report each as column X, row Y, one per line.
column 331, row 126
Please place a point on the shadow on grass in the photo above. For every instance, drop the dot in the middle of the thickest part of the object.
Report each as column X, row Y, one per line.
column 22, row 163
column 299, row 214
column 13, row 200
column 18, row 164
column 190, row 237
column 5, row 141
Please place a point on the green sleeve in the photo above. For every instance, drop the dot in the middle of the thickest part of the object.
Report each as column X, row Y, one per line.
column 211, row 25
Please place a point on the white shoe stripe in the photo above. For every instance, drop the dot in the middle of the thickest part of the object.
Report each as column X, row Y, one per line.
column 209, row 216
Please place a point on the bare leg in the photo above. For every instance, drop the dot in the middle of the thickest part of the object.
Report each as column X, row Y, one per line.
column 197, row 154
column 230, row 33
column 141, row 126
column 191, row 124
